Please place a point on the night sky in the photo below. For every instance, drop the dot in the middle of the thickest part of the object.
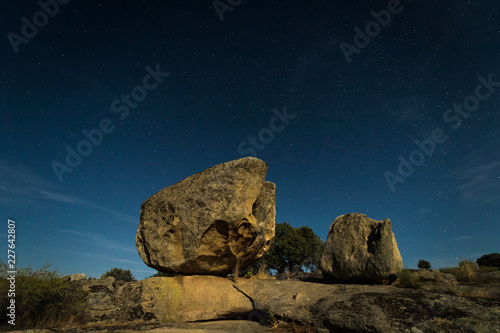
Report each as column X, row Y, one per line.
column 391, row 119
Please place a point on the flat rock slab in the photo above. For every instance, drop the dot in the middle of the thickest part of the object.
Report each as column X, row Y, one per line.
column 192, row 298
column 372, row 308
column 229, row 326
column 223, row 326
column 164, row 303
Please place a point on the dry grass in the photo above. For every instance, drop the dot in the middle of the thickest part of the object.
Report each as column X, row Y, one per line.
column 43, row 299
column 467, row 271
column 486, row 269
column 472, row 292
column 480, row 293
column 407, row 279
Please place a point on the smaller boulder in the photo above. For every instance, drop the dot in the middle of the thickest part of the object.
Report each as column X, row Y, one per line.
column 360, row 249
column 435, row 277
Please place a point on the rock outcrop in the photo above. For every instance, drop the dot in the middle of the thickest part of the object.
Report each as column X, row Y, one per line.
column 210, row 222
column 167, row 302
column 372, row 308
column 162, row 300
column 193, row 298
column 433, row 277
column 358, row 248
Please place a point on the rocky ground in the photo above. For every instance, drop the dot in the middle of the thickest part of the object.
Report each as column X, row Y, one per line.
column 214, row 304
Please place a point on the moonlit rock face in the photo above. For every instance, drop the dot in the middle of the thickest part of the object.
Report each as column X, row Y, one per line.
column 359, row 248
column 207, row 222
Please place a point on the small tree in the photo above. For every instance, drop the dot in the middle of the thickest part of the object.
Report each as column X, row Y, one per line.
column 119, row 274
column 424, row 264
column 293, row 249
column 489, row 260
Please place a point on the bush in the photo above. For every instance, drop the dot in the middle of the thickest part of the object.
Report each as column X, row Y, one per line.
column 43, row 298
column 467, row 271
column 424, row 264
column 489, row 260
column 119, row 274
column 408, row 279
column 249, row 273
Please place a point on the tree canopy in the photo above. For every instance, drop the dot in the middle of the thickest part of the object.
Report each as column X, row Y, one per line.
column 293, row 249
column 424, row 264
column 119, row 274
column 489, row 260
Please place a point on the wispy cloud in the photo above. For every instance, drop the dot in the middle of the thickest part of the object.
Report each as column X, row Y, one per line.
column 461, row 238
column 478, row 177
column 102, row 257
column 100, row 239
column 424, row 212
column 479, row 180
column 21, row 182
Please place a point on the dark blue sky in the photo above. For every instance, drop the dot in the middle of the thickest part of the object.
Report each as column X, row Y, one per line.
column 357, row 105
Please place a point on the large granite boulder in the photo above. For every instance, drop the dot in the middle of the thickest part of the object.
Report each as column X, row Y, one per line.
column 361, row 249
column 210, row 223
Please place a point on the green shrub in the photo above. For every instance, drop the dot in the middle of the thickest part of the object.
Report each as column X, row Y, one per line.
column 424, row 264
column 42, row 298
column 408, row 279
column 119, row 274
column 249, row 273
